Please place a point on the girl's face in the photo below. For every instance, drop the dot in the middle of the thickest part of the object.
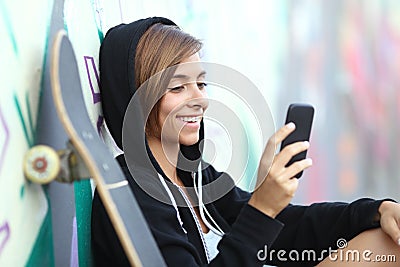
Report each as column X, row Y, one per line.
column 183, row 106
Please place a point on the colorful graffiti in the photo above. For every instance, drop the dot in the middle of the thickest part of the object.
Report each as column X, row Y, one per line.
column 5, row 135
column 4, row 235
column 92, row 72
column 342, row 56
column 24, row 211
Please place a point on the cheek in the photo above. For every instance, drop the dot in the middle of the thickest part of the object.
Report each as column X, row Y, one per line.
column 172, row 102
column 168, row 107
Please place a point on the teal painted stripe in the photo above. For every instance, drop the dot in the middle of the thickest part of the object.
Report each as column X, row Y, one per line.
column 101, row 35
column 97, row 19
column 30, row 119
column 22, row 191
column 65, row 20
column 83, row 206
column 42, row 253
column 65, row 26
column 7, row 22
column 22, row 120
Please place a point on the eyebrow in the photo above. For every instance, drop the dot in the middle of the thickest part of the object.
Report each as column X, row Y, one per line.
column 186, row 77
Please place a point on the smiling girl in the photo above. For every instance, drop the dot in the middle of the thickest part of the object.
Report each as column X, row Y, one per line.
column 189, row 230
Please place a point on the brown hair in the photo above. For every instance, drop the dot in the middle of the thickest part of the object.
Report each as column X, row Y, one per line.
column 160, row 47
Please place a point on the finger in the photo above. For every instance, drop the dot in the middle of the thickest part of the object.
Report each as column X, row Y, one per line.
column 283, row 132
column 297, row 167
column 291, row 150
column 269, row 151
column 280, row 135
column 391, row 227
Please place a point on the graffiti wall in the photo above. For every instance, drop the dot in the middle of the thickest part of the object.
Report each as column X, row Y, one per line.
column 341, row 56
column 25, row 223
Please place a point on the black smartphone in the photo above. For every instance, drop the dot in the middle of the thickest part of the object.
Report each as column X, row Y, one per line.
column 302, row 115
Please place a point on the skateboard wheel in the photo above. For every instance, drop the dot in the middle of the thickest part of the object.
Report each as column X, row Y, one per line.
column 41, row 164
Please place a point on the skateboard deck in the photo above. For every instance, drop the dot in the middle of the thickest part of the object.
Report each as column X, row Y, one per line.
column 117, row 197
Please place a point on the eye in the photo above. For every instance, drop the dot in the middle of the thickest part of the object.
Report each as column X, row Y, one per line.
column 177, row 88
column 201, row 85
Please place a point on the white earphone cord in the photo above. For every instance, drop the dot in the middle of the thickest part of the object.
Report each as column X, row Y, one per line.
column 202, row 208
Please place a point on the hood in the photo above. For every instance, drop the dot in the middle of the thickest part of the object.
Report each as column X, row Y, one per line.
column 117, row 68
column 117, row 87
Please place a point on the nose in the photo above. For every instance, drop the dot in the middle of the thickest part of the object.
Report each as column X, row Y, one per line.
column 198, row 97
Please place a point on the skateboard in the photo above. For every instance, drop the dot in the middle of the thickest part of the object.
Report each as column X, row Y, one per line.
column 87, row 156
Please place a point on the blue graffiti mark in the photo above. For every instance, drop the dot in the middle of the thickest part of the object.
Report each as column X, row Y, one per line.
column 22, row 191
column 65, row 15
column 29, row 139
column 22, row 120
column 7, row 21
column 30, row 119
column 98, row 13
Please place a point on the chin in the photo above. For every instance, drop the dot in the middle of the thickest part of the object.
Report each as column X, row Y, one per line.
column 188, row 140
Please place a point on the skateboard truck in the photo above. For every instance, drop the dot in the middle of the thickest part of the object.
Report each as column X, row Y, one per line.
column 42, row 164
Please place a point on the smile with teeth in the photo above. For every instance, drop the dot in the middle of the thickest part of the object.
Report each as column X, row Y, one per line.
column 190, row 119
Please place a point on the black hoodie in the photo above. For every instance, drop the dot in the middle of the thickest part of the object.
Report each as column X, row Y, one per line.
column 247, row 231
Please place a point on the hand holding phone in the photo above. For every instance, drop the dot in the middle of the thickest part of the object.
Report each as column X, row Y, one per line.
column 302, row 116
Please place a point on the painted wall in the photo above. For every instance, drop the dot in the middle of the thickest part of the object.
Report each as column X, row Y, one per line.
column 25, row 221
column 341, row 56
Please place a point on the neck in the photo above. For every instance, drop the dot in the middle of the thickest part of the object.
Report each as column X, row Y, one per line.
column 166, row 154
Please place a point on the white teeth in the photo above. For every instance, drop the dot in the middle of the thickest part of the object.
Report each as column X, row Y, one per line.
column 190, row 119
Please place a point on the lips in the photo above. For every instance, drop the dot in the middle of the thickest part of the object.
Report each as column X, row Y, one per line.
column 190, row 119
